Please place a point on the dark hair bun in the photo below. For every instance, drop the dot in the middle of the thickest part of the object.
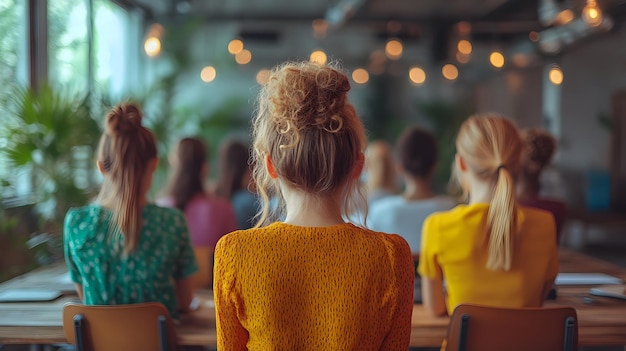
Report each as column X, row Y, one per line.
column 123, row 119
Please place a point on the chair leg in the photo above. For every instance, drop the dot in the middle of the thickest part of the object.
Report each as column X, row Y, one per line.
column 568, row 343
column 78, row 332
column 163, row 346
column 463, row 332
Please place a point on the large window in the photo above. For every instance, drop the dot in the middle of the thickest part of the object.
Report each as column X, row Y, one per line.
column 112, row 72
column 117, row 44
column 114, row 46
column 13, row 64
column 68, row 44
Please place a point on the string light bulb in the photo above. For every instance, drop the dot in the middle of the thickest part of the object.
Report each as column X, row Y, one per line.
column 393, row 49
column 449, row 71
column 496, row 59
column 592, row 14
column 417, row 75
column 152, row 46
column 319, row 57
column 555, row 75
column 360, row 76
column 464, row 46
column 235, row 46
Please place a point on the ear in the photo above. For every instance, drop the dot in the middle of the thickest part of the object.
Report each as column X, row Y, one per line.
column 358, row 166
column 100, row 166
column 152, row 164
column 270, row 167
column 460, row 163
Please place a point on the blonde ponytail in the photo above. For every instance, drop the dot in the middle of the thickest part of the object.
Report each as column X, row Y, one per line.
column 502, row 222
column 490, row 145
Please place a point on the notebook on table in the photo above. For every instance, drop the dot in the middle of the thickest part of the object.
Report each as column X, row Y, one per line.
column 586, row 279
column 28, row 295
column 616, row 291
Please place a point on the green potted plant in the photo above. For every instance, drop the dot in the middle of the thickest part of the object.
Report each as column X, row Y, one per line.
column 51, row 137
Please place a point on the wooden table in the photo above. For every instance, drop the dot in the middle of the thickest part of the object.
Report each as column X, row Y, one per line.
column 601, row 323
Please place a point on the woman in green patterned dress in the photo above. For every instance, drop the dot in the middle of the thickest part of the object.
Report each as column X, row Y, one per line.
column 123, row 249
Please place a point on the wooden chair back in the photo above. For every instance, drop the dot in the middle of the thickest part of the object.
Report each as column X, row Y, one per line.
column 483, row 328
column 134, row 327
column 203, row 278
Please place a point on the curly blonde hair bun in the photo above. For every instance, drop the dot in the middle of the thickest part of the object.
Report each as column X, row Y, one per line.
column 307, row 127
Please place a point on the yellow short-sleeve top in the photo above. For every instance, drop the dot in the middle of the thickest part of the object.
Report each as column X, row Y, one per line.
column 286, row 287
column 454, row 248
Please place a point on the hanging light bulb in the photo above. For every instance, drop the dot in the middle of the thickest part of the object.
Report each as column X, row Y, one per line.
column 592, row 14
column 555, row 75
column 496, row 59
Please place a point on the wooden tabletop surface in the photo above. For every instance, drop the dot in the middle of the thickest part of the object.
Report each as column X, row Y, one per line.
column 602, row 321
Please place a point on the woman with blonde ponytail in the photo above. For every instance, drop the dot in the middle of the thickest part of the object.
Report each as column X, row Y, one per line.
column 123, row 249
column 491, row 251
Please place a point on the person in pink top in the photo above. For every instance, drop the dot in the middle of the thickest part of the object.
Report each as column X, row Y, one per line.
column 208, row 217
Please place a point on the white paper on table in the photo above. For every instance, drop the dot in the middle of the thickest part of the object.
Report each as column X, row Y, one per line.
column 585, row 279
column 28, row 295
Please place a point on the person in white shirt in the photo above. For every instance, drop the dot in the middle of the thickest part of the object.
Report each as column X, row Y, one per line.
column 416, row 151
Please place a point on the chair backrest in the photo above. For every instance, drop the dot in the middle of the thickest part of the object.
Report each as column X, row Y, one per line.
column 136, row 327
column 203, row 278
column 483, row 328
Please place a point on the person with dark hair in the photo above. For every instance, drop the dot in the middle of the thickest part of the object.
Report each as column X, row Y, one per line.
column 123, row 249
column 312, row 281
column 235, row 182
column 208, row 217
column 416, row 151
column 537, row 151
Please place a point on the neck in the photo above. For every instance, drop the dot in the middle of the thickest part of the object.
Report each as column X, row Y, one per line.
column 418, row 189
column 528, row 189
column 480, row 192
column 307, row 210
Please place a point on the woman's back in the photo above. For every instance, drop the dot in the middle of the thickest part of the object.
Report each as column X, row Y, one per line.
column 455, row 242
column 338, row 287
column 95, row 257
column 208, row 218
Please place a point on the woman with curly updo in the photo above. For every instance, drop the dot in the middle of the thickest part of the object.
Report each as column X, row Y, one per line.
column 124, row 249
column 313, row 281
column 538, row 148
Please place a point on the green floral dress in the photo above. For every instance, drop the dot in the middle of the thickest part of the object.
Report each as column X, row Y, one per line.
column 95, row 259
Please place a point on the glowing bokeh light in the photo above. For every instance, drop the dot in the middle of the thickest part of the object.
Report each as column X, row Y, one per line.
column 243, row 57
column 263, row 76
column 208, row 74
column 235, row 46
column 464, row 47
column 319, row 57
column 417, row 75
column 152, row 46
column 449, row 71
column 496, row 59
column 360, row 76
column 555, row 75
column 393, row 49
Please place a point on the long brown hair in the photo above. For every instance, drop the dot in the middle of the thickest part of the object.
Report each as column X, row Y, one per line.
column 186, row 181
column 491, row 148
column 126, row 148
column 311, row 133
column 234, row 164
